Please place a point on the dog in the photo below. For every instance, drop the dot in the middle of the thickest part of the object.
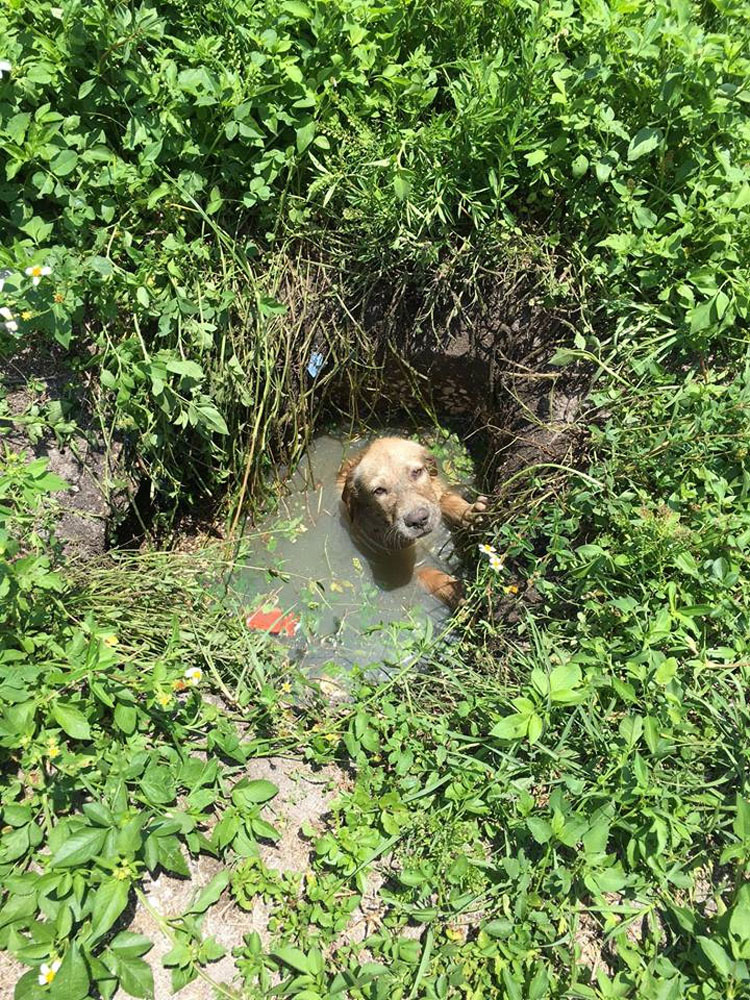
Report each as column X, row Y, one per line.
column 393, row 495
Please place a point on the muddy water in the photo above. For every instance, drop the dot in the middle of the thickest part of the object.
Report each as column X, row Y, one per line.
column 304, row 562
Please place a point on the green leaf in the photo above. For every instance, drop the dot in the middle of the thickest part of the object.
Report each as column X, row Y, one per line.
column 741, row 824
column 666, row 670
column 263, row 829
column 539, row 985
column 607, row 880
column 64, row 162
column 595, row 840
column 211, row 950
column 579, row 166
column 701, row 316
column 305, row 136
column 101, row 265
column 82, row 846
column 716, row 956
column 129, row 945
column 210, row 893
column 292, row 957
column 512, row 727
column 71, row 720
column 179, row 955
column 539, row 829
column 158, row 784
column 72, row 979
column 498, row 928
column 605, row 166
column 535, row 728
column 563, row 678
column 51, row 483
column 739, row 922
column 409, row 951
column 253, row 791
column 171, row 856
column 110, row 900
column 402, row 186
column 297, row 9
column 190, row 369
column 643, row 142
column 27, row 987
column 685, row 562
column 270, row 306
column 538, row 156
column 651, row 732
column 212, row 418
column 136, row 977
column 125, row 718
column 511, row 984
column 181, row 976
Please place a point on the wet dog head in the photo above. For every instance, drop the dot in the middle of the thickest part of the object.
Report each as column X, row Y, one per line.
column 391, row 492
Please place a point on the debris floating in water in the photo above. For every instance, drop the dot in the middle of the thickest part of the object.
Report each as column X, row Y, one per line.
column 273, row 621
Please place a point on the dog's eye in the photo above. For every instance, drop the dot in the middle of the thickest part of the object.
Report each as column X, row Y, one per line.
column 416, row 473
column 379, row 491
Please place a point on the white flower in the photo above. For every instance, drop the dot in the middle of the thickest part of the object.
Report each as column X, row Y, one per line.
column 496, row 563
column 193, row 675
column 487, row 550
column 5, row 67
column 37, row 272
column 10, row 324
column 48, row 972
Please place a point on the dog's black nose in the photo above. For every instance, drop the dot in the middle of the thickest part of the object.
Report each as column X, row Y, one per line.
column 417, row 518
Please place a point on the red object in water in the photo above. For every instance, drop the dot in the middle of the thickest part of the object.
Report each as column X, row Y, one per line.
column 273, row 621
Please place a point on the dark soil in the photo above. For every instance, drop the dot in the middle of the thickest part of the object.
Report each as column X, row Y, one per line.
column 31, row 381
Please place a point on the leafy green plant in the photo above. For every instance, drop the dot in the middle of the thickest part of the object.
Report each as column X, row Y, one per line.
column 98, row 734
column 209, row 193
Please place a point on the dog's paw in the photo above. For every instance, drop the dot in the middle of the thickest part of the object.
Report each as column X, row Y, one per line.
column 476, row 509
column 446, row 588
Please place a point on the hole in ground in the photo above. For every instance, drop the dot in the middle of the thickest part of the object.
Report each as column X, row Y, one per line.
column 472, row 356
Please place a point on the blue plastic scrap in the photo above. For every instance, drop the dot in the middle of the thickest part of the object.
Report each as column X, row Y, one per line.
column 315, row 364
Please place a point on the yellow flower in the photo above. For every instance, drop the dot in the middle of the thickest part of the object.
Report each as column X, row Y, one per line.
column 111, row 641
column 193, row 676
column 286, row 687
column 47, row 973
column 164, row 699
column 512, row 589
column 26, row 314
column 53, row 750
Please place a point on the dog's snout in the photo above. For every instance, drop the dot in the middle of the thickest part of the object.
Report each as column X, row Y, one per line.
column 417, row 518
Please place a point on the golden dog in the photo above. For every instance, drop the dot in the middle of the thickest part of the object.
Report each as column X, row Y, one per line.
column 393, row 496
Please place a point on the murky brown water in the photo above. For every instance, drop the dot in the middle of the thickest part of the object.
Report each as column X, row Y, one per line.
column 304, row 562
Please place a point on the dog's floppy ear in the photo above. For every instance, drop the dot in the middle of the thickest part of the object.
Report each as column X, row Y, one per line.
column 345, row 480
column 430, row 462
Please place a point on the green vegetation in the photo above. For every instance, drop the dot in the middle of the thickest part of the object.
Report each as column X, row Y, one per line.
column 561, row 804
